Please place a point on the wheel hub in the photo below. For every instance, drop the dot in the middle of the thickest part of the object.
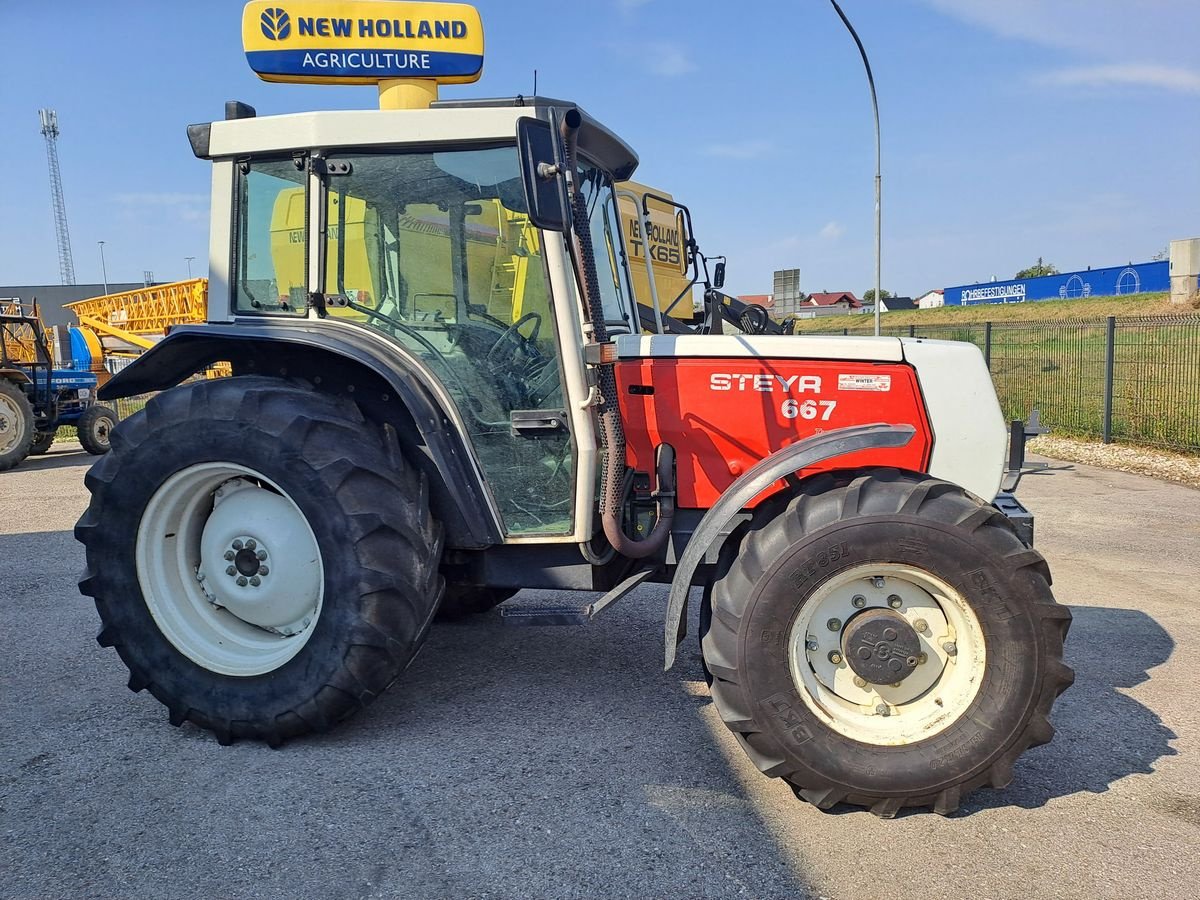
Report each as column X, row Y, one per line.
column 236, row 564
column 880, row 646
column 886, row 653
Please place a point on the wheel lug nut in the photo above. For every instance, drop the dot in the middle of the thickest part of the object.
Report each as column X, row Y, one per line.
column 922, row 659
column 812, row 644
column 881, row 709
column 877, row 581
column 835, row 657
column 894, row 601
column 859, row 601
column 250, row 544
column 834, row 624
column 921, row 626
column 261, row 554
column 237, row 545
column 950, row 647
column 263, row 570
column 241, row 581
column 256, row 581
column 859, row 681
column 229, row 554
column 230, row 570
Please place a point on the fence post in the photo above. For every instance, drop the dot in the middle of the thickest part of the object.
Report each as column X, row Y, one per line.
column 987, row 345
column 845, row 331
column 912, row 330
column 1109, row 364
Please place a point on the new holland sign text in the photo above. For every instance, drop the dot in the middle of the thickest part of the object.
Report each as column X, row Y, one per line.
column 362, row 41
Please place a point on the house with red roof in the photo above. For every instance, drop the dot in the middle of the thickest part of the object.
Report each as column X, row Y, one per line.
column 839, row 300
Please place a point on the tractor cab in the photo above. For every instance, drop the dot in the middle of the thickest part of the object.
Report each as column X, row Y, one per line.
column 413, row 227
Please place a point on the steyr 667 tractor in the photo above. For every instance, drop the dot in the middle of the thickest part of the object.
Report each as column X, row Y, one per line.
column 451, row 400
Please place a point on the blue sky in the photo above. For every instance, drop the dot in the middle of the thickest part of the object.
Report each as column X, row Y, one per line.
column 1068, row 129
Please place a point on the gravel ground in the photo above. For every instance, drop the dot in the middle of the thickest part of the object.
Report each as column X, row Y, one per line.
column 562, row 762
column 1138, row 460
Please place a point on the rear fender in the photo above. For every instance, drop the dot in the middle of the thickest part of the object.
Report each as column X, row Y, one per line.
column 16, row 375
column 812, row 450
column 390, row 385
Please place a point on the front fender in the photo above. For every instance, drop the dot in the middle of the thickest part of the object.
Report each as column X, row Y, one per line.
column 752, row 482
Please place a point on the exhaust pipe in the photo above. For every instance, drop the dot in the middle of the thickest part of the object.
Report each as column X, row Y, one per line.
column 615, row 475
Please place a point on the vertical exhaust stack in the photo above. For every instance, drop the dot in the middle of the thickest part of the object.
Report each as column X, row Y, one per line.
column 615, row 476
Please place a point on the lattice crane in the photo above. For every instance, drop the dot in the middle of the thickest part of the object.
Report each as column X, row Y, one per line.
column 66, row 265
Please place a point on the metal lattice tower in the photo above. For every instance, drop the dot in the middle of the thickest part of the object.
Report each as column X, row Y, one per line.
column 66, row 265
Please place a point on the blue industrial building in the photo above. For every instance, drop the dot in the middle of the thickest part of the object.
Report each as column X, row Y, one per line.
column 1131, row 279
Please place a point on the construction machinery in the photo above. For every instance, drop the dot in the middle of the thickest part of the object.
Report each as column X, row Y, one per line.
column 128, row 323
column 400, row 439
column 37, row 395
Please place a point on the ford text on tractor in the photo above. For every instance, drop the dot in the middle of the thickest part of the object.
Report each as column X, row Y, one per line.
column 441, row 394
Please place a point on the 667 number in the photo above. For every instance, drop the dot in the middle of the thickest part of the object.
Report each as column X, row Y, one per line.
column 809, row 409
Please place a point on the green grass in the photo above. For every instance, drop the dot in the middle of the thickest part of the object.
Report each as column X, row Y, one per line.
column 1157, row 304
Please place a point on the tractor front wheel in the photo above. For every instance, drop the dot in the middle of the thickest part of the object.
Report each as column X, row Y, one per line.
column 262, row 558
column 94, row 427
column 884, row 641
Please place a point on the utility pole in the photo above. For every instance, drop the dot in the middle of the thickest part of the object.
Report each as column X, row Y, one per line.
column 189, row 262
column 66, row 265
column 103, row 268
column 878, row 162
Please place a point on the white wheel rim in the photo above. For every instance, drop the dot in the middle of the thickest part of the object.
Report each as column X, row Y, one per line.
column 936, row 693
column 10, row 423
column 204, row 521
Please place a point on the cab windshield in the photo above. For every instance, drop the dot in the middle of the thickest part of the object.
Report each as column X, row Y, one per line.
column 611, row 265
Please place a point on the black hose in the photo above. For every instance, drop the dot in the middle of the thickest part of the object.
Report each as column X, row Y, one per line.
column 612, row 434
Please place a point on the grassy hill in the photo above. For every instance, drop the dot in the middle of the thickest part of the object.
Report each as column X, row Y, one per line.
column 1090, row 308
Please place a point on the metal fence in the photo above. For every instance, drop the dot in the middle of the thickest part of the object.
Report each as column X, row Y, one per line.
column 1134, row 380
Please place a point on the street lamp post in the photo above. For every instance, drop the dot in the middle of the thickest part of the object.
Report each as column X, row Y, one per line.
column 103, row 268
column 189, row 262
column 878, row 164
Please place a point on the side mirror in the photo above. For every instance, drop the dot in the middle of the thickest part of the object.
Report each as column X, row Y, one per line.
column 719, row 275
column 684, row 240
column 542, row 175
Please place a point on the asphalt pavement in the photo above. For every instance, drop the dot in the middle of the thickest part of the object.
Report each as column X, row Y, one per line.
column 562, row 762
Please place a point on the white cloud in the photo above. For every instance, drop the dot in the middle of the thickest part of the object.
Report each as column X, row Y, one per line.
column 832, row 231
column 664, row 58
column 186, row 207
column 753, row 149
column 1119, row 29
column 1167, row 78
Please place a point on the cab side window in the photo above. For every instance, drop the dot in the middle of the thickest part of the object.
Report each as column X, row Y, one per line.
column 270, row 260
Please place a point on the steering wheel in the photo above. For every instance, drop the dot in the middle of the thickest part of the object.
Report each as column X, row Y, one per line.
column 512, row 336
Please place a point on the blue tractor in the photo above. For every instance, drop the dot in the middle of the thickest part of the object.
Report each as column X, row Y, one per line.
column 36, row 397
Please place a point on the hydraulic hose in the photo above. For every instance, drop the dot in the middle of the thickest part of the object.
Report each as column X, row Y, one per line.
column 613, row 483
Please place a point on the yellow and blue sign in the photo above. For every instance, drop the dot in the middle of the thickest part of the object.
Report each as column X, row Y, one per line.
column 362, row 41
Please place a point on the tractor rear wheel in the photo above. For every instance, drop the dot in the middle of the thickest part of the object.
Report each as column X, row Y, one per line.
column 884, row 641
column 42, row 442
column 262, row 558
column 94, row 427
column 16, row 425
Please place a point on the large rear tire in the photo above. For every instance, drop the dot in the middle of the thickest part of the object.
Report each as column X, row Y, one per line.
column 16, row 425
column 262, row 558
column 886, row 641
